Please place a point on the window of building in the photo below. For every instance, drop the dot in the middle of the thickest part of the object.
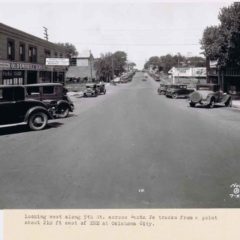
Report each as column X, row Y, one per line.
column 47, row 53
column 10, row 49
column 32, row 54
column 61, row 55
column 55, row 54
column 22, row 52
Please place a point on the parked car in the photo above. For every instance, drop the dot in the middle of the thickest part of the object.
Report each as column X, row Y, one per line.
column 15, row 108
column 101, row 88
column 178, row 91
column 53, row 95
column 208, row 95
column 162, row 88
column 91, row 90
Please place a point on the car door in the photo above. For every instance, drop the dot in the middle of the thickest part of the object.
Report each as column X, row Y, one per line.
column 8, row 107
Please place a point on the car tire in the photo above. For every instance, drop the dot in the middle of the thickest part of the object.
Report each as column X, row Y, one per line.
column 174, row 96
column 229, row 103
column 63, row 112
column 211, row 104
column 192, row 104
column 37, row 121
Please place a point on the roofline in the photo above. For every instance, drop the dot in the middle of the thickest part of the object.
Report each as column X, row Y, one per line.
column 42, row 84
column 30, row 36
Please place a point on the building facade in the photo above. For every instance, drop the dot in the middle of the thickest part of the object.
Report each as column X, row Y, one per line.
column 228, row 78
column 23, row 56
column 81, row 68
column 188, row 75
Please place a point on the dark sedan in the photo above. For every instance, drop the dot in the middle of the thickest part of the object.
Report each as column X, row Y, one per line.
column 15, row 109
column 178, row 91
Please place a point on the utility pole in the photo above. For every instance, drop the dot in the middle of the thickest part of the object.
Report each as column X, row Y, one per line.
column 45, row 33
column 112, row 67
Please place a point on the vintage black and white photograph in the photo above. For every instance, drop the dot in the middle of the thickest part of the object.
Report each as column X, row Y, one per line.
column 119, row 104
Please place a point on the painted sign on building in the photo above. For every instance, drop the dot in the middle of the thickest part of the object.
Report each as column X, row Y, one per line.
column 57, row 61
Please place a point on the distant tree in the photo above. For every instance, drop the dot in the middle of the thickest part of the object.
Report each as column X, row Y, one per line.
column 119, row 62
column 110, row 64
column 166, row 62
column 154, row 62
column 71, row 50
column 196, row 61
column 103, row 67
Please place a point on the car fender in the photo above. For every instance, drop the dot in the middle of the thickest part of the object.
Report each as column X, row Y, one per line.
column 226, row 98
column 62, row 103
column 209, row 99
column 36, row 109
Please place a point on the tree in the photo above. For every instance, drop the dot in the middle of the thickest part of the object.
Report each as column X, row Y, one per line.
column 103, row 67
column 222, row 42
column 70, row 49
column 196, row 61
column 210, row 42
column 110, row 64
column 119, row 62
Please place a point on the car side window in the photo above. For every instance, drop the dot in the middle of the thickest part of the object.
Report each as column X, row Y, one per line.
column 6, row 95
column 48, row 90
column 33, row 91
column 19, row 94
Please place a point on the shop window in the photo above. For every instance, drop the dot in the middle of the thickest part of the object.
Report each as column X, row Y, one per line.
column 10, row 49
column 47, row 53
column 32, row 54
column 22, row 52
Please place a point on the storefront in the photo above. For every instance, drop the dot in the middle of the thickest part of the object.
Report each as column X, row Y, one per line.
column 17, row 73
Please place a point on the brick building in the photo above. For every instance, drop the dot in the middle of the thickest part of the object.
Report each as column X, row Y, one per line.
column 22, row 58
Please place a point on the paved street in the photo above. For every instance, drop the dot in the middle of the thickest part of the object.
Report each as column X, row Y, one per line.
column 130, row 148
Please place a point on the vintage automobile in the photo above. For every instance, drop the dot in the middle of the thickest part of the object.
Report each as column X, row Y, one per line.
column 91, row 90
column 52, row 95
column 16, row 109
column 208, row 95
column 178, row 91
column 162, row 88
column 101, row 88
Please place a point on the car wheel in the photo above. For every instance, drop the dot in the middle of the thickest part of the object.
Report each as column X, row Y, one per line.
column 37, row 121
column 192, row 104
column 212, row 103
column 174, row 95
column 229, row 103
column 63, row 112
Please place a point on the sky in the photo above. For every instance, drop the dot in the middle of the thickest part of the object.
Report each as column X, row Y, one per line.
column 140, row 28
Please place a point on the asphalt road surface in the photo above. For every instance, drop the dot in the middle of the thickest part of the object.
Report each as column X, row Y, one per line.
column 130, row 148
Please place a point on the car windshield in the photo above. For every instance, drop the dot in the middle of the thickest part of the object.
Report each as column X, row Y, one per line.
column 206, row 88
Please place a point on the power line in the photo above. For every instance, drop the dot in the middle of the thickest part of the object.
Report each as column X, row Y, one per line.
column 138, row 44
